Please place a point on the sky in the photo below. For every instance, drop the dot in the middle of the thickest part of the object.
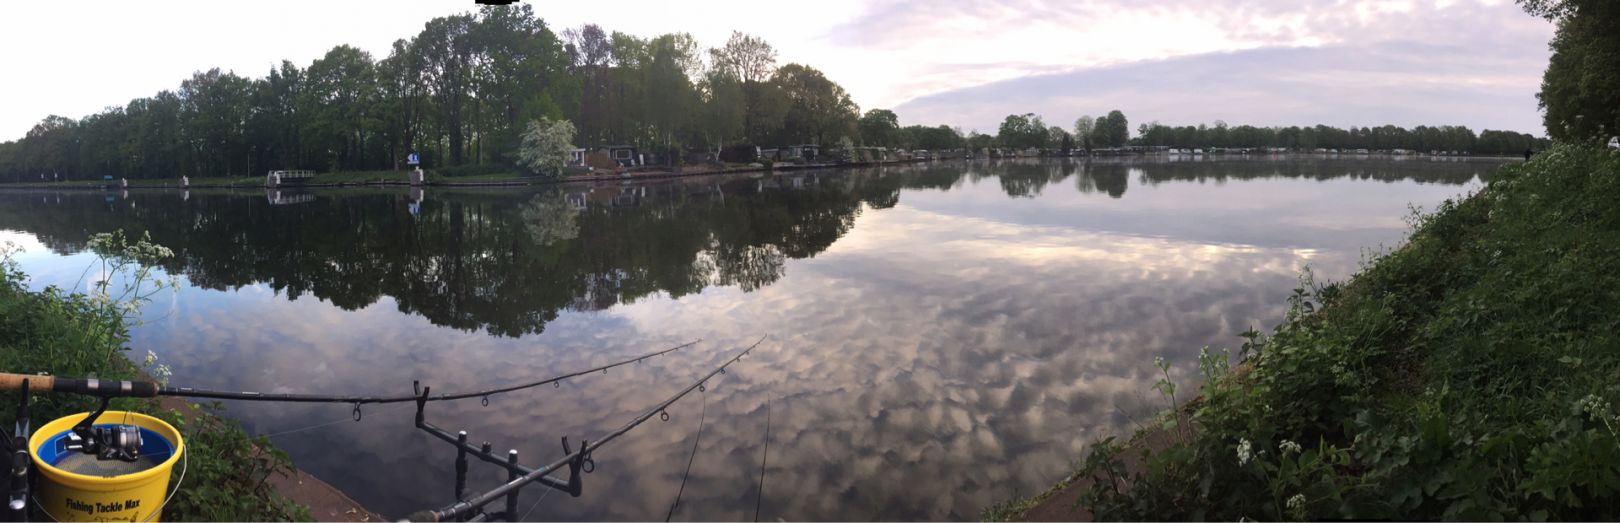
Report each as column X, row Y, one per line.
column 963, row 63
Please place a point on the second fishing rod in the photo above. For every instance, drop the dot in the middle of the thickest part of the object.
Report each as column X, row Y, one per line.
column 147, row 389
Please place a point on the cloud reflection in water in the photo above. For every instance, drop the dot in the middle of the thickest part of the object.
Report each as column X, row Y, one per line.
column 939, row 338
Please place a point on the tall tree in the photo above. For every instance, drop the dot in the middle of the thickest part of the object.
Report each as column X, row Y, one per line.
column 1582, row 82
column 337, row 101
column 880, row 128
column 447, row 49
column 214, row 108
column 751, row 60
column 819, row 110
column 1083, row 129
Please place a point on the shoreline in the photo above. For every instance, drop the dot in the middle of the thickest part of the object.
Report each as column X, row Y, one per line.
column 528, row 181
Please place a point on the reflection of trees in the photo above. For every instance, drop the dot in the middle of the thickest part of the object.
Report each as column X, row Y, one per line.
column 509, row 262
column 550, row 218
column 503, row 262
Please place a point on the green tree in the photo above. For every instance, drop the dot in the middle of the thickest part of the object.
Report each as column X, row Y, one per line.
column 339, row 94
column 214, row 111
column 1112, row 130
column 819, row 110
column 1083, row 131
column 722, row 119
column 1023, row 131
column 751, row 60
column 1581, row 86
column 446, row 49
column 880, row 128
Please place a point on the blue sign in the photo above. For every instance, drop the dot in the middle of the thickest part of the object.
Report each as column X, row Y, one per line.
column 413, row 159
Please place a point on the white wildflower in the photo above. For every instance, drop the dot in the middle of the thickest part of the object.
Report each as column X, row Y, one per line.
column 1297, row 502
column 151, row 357
column 1245, row 452
column 1594, row 406
column 1289, row 446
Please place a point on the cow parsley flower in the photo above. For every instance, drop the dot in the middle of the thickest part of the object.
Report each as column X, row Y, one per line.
column 1289, row 446
column 1245, row 452
column 1296, row 505
column 1593, row 406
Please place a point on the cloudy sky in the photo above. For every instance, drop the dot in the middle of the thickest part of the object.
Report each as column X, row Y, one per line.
column 964, row 63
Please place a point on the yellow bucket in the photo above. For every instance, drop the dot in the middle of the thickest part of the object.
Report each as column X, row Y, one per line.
column 134, row 496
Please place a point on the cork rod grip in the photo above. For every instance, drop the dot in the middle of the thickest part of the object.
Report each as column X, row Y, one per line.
column 36, row 383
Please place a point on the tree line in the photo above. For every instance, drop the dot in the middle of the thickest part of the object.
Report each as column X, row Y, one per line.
column 459, row 92
column 1026, row 131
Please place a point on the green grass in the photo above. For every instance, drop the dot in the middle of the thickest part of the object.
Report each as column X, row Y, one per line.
column 75, row 335
column 1467, row 375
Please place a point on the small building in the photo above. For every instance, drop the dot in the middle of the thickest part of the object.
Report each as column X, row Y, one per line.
column 805, row 151
column 625, row 155
column 576, row 157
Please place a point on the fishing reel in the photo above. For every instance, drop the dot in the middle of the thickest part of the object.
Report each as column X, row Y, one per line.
column 120, row 442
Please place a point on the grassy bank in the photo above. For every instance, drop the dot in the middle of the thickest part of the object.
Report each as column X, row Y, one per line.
column 79, row 335
column 1470, row 374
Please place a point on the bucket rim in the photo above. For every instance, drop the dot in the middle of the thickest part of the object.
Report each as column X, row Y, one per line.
column 163, row 428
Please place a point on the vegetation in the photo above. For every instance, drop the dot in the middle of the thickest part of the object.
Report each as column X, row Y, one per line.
column 1421, row 138
column 462, row 91
column 1582, row 83
column 1467, row 375
column 545, row 147
column 1113, row 130
column 70, row 334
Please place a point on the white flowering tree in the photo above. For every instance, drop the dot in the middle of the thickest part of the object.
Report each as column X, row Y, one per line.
column 550, row 218
column 545, row 147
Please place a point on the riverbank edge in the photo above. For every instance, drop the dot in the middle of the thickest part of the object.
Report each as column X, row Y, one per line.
column 1458, row 225
column 54, row 329
column 514, row 180
column 444, row 182
column 323, row 501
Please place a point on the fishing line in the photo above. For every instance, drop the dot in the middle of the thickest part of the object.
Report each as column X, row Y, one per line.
column 525, row 516
column 760, row 494
column 576, row 460
column 702, row 418
column 357, row 401
column 346, row 419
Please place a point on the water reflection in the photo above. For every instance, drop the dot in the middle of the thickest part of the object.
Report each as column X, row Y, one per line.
column 941, row 335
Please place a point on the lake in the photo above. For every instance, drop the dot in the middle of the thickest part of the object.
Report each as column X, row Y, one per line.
column 937, row 336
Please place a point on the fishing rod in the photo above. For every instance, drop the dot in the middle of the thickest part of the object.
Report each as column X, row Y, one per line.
column 577, row 461
column 147, row 389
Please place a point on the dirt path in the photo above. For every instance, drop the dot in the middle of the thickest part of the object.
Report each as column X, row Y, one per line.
column 325, row 502
column 1058, row 503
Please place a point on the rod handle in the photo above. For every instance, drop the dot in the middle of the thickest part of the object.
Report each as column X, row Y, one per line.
column 107, row 388
column 36, row 383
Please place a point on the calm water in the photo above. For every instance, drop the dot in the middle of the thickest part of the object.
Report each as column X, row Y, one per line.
column 938, row 337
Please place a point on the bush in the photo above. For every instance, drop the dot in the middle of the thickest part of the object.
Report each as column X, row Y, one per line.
column 1467, row 375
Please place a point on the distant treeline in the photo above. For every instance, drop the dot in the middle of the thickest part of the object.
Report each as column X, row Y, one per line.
column 1029, row 131
column 459, row 92
column 462, row 91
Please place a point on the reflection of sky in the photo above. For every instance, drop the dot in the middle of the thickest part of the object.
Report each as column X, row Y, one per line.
column 945, row 353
